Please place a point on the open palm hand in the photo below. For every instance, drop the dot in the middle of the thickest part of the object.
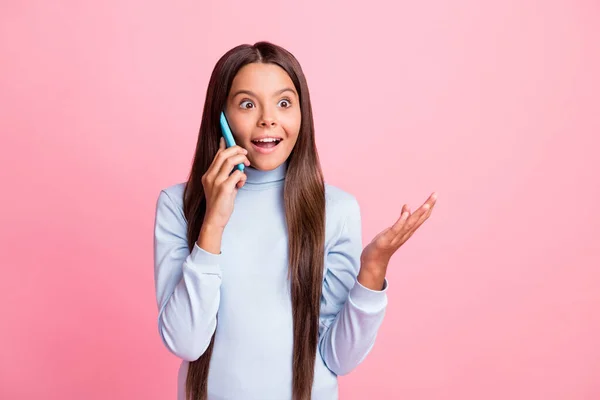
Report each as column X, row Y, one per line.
column 377, row 254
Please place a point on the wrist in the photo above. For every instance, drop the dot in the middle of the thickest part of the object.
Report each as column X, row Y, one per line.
column 210, row 237
column 211, row 228
column 372, row 277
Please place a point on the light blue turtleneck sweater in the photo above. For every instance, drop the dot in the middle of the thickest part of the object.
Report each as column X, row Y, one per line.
column 246, row 285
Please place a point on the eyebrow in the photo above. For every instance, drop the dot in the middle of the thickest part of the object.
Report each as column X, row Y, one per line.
column 277, row 93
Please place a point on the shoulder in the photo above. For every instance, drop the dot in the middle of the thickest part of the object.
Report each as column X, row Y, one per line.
column 170, row 202
column 340, row 207
column 173, row 193
column 340, row 200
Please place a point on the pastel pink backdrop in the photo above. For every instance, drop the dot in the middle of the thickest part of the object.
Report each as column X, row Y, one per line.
column 495, row 105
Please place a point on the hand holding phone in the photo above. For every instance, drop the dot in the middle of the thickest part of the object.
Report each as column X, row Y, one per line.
column 221, row 182
column 226, row 131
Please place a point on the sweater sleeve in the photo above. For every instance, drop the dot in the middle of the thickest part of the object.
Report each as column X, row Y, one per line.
column 351, row 314
column 187, row 284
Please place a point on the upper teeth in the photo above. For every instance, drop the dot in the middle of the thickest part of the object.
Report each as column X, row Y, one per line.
column 266, row 140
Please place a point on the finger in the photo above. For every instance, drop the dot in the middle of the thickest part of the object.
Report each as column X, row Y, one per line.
column 433, row 197
column 242, row 181
column 431, row 201
column 221, row 157
column 422, row 212
column 222, row 147
column 423, row 218
column 228, row 166
column 233, row 180
column 412, row 229
column 415, row 217
column 398, row 226
column 229, row 152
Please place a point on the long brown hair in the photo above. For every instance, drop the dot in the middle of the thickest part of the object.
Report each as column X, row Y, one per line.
column 304, row 197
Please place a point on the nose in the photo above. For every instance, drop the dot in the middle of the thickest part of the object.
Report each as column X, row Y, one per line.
column 267, row 120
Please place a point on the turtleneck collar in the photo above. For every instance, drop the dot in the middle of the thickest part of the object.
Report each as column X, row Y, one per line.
column 257, row 179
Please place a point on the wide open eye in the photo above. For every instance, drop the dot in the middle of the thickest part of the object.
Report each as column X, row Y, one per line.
column 285, row 103
column 247, row 104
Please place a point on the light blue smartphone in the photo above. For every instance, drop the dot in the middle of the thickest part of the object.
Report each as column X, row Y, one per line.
column 228, row 136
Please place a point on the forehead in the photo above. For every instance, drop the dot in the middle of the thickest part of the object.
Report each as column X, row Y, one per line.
column 261, row 78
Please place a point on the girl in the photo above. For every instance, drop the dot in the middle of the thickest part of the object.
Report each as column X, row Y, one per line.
column 262, row 284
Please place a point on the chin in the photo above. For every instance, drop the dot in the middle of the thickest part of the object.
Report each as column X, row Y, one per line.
column 266, row 165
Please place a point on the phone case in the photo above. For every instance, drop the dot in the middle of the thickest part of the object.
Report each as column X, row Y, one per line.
column 228, row 136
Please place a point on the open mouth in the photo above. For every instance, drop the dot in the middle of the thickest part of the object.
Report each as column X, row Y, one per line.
column 266, row 143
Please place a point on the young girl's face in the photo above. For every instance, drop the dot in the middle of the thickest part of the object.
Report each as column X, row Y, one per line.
column 263, row 111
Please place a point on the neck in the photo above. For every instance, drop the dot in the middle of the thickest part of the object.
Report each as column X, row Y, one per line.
column 256, row 178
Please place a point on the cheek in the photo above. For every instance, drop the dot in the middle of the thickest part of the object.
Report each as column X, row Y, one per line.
column 241, row 128
column 292, row 123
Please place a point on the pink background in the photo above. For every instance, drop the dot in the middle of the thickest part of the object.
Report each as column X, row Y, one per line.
column 494, row 106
